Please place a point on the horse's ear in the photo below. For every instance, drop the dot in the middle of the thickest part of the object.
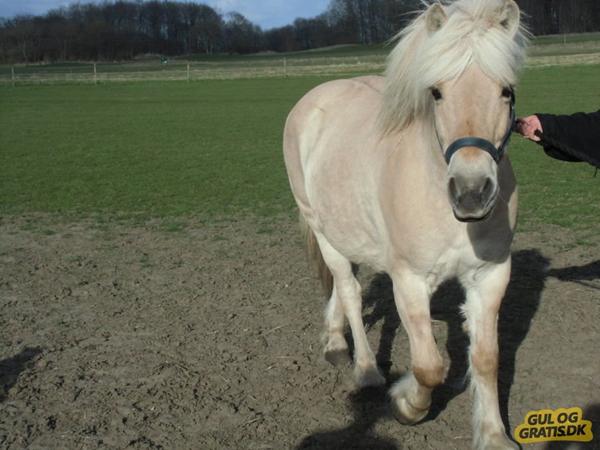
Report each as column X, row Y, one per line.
column 435, row 17
column 510, row 17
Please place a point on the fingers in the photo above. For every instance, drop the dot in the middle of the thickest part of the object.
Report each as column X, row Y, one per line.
column 527, row 126
column 528, row 131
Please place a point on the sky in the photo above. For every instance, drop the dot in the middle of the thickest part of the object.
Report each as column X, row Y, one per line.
column 266, row 13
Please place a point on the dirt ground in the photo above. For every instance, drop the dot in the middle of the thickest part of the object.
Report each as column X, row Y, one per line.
column 159, row 336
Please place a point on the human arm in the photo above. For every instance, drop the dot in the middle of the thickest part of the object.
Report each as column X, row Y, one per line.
column 573, row 137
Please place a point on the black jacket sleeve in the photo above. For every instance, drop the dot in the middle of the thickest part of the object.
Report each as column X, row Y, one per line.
column 572, row 138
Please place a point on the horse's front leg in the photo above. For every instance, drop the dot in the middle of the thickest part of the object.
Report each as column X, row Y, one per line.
column 411, row 396
column 485, row 290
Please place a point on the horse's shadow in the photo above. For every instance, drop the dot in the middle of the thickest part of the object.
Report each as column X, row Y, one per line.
column 368, row 406
column 520, row 304
column 11, row 368
column 591, row 413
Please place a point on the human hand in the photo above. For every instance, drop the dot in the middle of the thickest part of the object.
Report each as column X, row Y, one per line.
column 527, row 126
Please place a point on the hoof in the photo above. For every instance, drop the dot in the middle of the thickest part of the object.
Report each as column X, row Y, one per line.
column 338, row 358
column 369, row 376
column 498, row 442
column 407, row 414
column 406, row 411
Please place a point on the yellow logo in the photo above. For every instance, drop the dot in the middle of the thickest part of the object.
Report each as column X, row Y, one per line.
column 562, row 424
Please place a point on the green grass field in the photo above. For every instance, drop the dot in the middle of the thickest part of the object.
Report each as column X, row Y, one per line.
column 213, row 148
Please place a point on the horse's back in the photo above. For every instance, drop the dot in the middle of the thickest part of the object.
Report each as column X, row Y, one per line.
column 323, row 119
column 328, row 100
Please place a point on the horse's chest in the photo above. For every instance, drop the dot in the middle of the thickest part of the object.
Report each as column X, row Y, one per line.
column 448, row 264
column 444, row 267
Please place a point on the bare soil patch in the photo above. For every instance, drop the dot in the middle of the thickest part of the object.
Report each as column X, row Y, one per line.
column 122, row 336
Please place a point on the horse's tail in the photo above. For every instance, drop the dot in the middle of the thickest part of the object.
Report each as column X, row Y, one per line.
column 315, row 257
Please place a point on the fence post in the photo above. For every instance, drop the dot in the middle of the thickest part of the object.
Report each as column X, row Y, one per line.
column 12, row 75
column 95, row 74
column 188, row 72
column 284, row 66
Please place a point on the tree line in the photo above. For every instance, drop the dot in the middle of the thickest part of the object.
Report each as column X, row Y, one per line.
column 561, row 16
column 124, row 29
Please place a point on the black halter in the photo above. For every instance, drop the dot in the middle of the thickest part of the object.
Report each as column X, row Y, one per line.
column 484, row 144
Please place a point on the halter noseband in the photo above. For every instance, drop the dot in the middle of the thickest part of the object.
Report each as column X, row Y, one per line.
column 484, row 144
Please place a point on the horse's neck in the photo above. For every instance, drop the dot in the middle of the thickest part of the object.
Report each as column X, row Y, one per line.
column 420, row 147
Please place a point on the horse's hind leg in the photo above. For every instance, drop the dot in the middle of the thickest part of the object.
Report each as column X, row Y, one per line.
column 336, row 348
column 346, row 296
column 411, row 396
column 484, row 296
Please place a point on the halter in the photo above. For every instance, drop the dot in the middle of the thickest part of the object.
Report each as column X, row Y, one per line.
column 484, row 144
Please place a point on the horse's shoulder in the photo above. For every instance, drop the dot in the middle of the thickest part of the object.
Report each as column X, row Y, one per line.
column 332, row 94
column 368, row 84
column 374, row 82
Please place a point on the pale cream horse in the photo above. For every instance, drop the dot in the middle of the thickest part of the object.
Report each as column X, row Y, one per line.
column 370, row 167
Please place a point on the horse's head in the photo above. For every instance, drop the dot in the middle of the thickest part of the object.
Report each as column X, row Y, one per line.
column 473, row 112
column 473, row 117
column 454, row 68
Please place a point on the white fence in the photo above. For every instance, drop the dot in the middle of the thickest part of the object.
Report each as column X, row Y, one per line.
column 178, row 70
column 250, row 67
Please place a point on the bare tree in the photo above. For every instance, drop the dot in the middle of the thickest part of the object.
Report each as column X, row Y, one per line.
column 122, row 29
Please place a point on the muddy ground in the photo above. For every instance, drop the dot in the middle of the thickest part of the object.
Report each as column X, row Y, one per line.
column 162, row 336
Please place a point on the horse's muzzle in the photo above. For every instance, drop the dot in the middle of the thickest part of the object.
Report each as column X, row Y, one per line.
column 472, row 200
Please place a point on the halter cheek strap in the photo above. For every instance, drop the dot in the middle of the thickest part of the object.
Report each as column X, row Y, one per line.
column 484, row 144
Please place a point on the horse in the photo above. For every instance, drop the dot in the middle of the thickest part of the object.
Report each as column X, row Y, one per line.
column 408, row 173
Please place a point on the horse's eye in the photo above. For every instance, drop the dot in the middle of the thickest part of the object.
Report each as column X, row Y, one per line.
column 507, row 92
column 436, row 93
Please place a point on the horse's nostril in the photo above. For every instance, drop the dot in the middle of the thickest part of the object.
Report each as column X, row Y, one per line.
column 487, row 189
column 452, row 189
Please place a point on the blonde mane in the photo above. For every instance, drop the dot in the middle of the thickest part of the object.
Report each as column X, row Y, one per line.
column 440, row 44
